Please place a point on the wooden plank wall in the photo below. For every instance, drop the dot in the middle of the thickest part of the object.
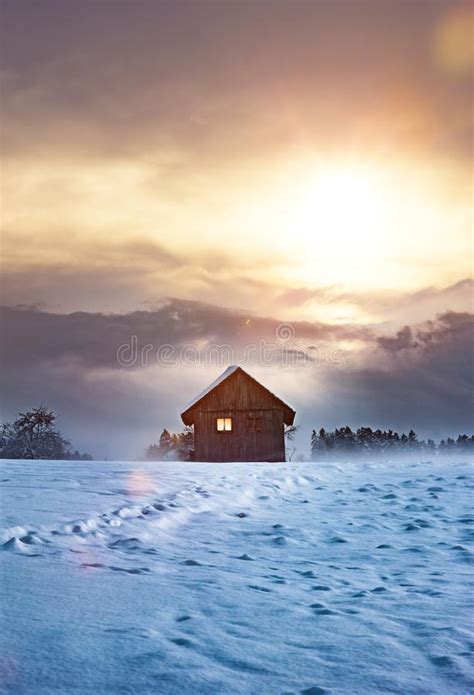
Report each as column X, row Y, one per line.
column 240, row 444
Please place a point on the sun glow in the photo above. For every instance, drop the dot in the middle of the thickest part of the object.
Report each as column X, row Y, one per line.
column 339, row 215
column 343, row 202
column 362, row 224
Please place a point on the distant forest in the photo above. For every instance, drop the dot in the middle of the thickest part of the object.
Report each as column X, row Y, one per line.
column 365, row 440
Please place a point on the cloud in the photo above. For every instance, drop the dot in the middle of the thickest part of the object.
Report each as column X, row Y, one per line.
column 37, row 336
column 202, row 77
column 391, row 307
column 422, row 379
column 451, row 329
column 402, row 340
column 427, row 377
column 108, row 274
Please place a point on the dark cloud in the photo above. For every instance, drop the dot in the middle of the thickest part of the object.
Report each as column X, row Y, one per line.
column 136, row 77
column 35, row 336
column 427, row 377
column 449, row 331
column 426, row 384
column 402, row 341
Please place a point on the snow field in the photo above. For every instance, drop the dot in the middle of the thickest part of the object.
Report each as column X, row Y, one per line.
column 310, row 578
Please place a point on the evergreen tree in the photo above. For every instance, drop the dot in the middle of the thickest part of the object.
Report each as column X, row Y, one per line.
column 176, row 447
column 166, row 444
column 185, row 445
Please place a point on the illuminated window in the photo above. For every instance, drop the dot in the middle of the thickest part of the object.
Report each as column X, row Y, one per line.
column 224, row 424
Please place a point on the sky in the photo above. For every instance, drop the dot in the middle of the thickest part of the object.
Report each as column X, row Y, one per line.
column 201, row 174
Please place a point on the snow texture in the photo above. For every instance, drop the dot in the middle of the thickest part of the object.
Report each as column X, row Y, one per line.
column 347, row 578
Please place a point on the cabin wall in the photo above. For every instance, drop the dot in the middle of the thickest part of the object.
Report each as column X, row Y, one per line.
column 241, row 444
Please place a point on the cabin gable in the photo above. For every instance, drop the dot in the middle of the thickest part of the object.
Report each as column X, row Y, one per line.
column 238, row 391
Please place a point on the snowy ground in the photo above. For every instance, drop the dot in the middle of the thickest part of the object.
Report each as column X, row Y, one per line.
column 236, row 578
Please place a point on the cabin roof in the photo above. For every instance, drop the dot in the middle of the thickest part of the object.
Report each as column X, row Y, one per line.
column 289, row 413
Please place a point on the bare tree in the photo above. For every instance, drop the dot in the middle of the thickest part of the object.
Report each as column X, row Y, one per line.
column 33, row 436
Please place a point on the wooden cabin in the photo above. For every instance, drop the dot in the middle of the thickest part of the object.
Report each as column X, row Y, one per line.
column 237, row 419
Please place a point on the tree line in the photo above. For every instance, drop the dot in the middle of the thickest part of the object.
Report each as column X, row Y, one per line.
column 365, row 440
column 34, row 435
